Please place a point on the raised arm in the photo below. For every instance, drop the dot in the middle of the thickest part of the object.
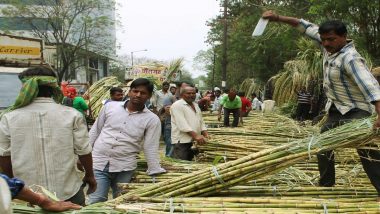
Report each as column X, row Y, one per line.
column 303, row 26
column 273, row 17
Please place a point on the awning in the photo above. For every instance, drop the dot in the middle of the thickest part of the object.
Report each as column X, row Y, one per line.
column 11, row 70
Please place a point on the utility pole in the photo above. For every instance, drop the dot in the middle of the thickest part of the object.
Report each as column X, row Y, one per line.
column 132, row 58
column 213, row 69
column 224, row 50
column 134, row 52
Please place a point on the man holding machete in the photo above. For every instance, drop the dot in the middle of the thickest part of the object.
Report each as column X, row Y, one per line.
column 351, row 90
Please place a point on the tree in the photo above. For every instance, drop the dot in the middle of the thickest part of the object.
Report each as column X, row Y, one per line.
column 259, row 57
column 76, row 27
column 118, row 69
column 206, row 61
column 361, row 17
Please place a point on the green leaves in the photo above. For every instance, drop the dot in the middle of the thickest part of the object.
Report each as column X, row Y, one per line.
column 263, row 57
column 217, row 159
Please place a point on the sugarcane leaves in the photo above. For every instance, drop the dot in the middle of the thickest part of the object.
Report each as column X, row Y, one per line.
column 46, row 192
column 217, row 159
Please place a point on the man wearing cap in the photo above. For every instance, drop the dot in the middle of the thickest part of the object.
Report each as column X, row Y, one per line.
column 173, row 89
column 218, row 96
column 40, row 139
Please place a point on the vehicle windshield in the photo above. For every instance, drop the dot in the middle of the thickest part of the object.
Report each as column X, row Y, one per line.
column 9, row 88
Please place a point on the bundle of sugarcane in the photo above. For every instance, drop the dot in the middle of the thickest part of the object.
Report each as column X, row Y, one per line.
column 306, row 191
column 249, row 86
column 270, row 161
column 173, row 165
column 348, row 175
column 236, row 143
column 270, row 122
column 249, row 205
column 99, row 91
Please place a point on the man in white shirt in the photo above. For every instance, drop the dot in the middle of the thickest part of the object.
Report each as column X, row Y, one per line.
column 40, row 139
column 218, row 97
column 159, row 97
column 121, row 131
column 256, row 103
column 187, row 125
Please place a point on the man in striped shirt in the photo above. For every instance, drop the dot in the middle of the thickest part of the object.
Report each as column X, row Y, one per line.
column 304, row 104
column 351, row 90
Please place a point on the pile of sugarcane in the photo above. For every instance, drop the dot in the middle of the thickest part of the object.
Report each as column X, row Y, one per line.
column 258, row 132
column 258, row 121
column 275, row 176
column 249, row 86
column 349, row 174
column 296, row 205
column 100, row 91
column 306, row 191
column 257, row 165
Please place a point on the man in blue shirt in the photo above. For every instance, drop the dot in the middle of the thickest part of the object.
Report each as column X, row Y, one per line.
column 19, row 191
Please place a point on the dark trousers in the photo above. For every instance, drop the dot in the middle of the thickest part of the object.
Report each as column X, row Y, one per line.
column 79, row 198
column 183, row 151
column 302, row 112
column 236, row 115
column 369, row 158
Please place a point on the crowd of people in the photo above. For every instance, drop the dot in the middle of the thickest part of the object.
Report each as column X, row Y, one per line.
column 46, row 143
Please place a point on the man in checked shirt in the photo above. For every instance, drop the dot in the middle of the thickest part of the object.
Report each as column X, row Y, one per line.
column 351, row 89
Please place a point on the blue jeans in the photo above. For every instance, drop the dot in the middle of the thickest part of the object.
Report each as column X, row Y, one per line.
column 105, row 180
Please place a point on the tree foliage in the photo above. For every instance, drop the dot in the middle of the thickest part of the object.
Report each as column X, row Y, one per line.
column 74, row 26
column 262, row 57
column 362, row 18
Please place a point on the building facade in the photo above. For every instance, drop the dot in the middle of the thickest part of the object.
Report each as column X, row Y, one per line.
column 94, row 46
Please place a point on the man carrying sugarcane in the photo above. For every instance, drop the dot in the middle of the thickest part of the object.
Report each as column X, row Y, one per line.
column 41, row 139
column 118, row 135
column 187, row 125
column 351, row 89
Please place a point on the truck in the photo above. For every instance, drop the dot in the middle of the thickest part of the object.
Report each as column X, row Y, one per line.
column 16, row 55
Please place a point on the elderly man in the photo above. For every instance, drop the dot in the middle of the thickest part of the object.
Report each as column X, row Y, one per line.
column 41, row 139
column 187, row 125
column 167, row 127
column 121, row 131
